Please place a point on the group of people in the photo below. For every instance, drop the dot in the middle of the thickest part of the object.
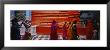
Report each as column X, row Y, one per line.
column 69, row 31
column 16, row 24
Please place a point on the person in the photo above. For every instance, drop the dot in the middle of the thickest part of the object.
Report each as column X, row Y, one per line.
column 90, row 29
column 94, row 37
column 64, row 31
column 15, row 30
column 53, row 34
column 69, row 31
column 96, row 32
column 27, row 34
column 74, row 31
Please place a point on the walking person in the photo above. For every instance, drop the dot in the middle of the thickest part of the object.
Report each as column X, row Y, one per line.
column 65, row 31
column 53, row 34
column 74, row 30
column 69, row 31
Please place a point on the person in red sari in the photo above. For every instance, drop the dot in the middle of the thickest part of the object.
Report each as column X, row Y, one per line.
column 65, row 31
column 53, row 34
column 90, row 29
